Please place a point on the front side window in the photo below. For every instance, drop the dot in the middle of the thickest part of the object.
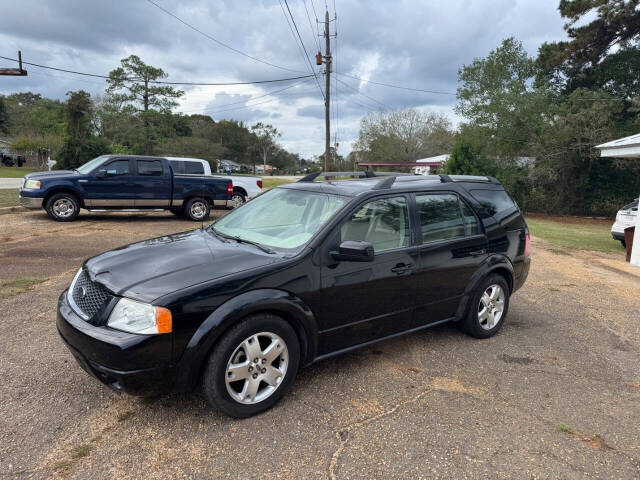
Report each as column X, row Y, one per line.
column 281, row 218
column 119, row 167
column 150, row 167
column 92, row 164
column 384, row 223
column 441, row 217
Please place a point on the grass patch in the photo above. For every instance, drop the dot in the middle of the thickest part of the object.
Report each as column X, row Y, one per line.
column 575, row 236
column 15, row 172
column 268, row 182
column 62, row 465
column 594, row 441
column 80, row 451
column 9, row 197
column 124, row 416
column 10, row 288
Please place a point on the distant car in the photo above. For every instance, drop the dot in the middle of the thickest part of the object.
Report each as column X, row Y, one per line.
column 124, row 182
column 244, row 187
column 625, row 218
column 303, row 272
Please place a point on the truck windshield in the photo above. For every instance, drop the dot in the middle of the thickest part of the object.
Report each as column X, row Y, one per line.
column 91, row 164
column 280, row 218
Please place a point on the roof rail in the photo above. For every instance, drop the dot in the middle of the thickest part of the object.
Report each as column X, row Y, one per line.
column 445, row 178
column 357, row 174
column 385, row 183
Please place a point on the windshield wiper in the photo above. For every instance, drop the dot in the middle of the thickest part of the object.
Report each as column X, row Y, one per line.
column 238, row 239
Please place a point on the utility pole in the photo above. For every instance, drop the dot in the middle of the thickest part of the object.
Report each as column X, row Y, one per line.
column 327, row 96
column 19, row 72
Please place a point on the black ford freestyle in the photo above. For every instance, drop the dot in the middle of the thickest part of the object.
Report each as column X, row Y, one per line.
column 302, row 272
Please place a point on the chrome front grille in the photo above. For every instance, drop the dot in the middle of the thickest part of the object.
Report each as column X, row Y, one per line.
column 87, row 297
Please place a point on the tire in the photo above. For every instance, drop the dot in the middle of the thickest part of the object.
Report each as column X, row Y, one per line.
column 624, row 243
column 63, row 207
column 479, row 324
column 197, row 209
column 235, row 397
column 238, row 199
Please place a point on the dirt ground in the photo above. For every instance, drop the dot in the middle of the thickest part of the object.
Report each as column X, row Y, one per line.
column 556, row 394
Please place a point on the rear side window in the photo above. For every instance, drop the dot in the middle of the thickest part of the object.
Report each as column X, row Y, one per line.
column 194, row 168
column 440, row 217
column 150, row 167
column 177, row 165
column 493, row 201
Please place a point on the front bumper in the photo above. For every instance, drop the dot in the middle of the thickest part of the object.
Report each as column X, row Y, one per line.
column 34, row 203
column 135, row 364
column 617, row 229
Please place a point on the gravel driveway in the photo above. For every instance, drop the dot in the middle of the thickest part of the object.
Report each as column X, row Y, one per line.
column 556, row 394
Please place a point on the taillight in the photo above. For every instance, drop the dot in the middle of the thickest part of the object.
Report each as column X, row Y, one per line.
column 230, row 188
column 259, row 183
column 527, row 245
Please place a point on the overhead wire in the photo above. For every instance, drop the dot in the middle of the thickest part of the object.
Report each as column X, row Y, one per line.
column 161, row 82
column 304, row 50
column 222, row 44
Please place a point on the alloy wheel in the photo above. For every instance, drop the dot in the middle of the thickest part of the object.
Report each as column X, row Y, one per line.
column 63, row 208
column 198, row 210
column 257, row 368
column 491, row 307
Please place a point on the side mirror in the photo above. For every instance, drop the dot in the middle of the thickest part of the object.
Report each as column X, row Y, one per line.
column 354, row 251
column 101, row 173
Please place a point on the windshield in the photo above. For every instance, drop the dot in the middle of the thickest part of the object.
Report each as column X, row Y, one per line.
column 280, row 218
column 91, row 164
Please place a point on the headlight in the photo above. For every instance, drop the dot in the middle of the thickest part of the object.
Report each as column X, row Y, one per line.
column 138, row 317
column 34, row 184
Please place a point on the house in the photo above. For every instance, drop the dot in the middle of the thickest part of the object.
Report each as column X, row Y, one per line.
column 228, row 165
column 430, row 164
column 264, row 169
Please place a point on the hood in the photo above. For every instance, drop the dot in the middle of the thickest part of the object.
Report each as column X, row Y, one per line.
column 51, row 174
column 153, row 268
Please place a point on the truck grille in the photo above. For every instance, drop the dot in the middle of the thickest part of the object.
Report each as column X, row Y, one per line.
column 87, row 296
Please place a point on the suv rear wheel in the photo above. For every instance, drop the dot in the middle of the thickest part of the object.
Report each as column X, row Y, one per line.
column 488, row 308
column 252, row 366
column 63, row 207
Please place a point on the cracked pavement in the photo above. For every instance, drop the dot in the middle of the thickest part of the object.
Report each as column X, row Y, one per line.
column 556, row 394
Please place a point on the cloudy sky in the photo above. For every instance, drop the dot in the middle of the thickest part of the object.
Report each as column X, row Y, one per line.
column 413, row 43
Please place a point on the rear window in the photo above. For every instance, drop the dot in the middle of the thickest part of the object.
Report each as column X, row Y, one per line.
column 493, row 201
column 150, row 167
column 194, row 168
column 177, row 166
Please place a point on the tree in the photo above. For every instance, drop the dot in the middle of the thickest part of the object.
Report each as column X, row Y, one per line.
column 133, row 83
column 264, row 140
column 403, row 136
column 4, row 125
column 80, row 144
column 616, row 23
column 465, row 161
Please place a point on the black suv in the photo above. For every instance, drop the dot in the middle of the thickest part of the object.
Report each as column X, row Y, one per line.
column 302, row 272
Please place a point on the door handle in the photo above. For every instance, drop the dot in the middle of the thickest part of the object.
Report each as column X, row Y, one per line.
column 401, row 267
column 477, row 253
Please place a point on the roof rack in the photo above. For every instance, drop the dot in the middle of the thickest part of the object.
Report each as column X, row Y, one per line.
column 357, row 174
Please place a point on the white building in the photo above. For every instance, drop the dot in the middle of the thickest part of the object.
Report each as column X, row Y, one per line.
column 431, row 164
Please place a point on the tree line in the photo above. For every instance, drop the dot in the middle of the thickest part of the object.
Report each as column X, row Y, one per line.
column 134, row 116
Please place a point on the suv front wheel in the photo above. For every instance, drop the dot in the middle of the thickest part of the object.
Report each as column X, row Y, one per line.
column 252, row 366
column 488, row 308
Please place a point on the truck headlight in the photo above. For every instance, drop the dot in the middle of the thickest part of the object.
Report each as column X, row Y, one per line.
column 137, row 317
column 32, row 184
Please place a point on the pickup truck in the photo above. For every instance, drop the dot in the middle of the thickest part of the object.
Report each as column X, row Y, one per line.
column 244, row 187
column 124, row 182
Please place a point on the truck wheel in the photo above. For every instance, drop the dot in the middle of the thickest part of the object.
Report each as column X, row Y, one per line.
column 252, row 366
column 197, row 209
column 63, row 207
column 488, row 308
column 624, row 243
column 237, row 199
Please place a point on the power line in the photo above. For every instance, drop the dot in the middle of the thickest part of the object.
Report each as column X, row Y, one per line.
column 221, row 84
column 306, row 55
column 395, row 86
column 274, row 92
column 213, row 39
column 357, row 90
column 317, row 40
column 210, row 111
